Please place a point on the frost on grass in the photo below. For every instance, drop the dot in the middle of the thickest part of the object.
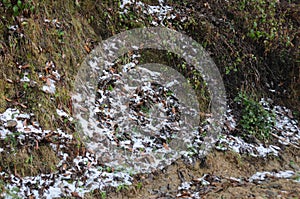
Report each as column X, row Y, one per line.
column 161, row 15
column 80, row 175
column 84, row 173
column 142, row 121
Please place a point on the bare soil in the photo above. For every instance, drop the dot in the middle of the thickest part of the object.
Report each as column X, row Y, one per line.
column 164, row 184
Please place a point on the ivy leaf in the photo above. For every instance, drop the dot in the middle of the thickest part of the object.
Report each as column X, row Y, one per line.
column 16, row 10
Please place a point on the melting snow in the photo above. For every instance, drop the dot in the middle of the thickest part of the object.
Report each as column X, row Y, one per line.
column 259, row 177
column 286, row 131
column 84, row 174
column 160, row 13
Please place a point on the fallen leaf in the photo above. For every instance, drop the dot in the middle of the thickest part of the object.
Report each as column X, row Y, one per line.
column 48, row 81
column 36, row 145
column 27, row 129
column 9, row 81
column 87, row 49
column 22, row 105
column 166, row 146
column 7, row 99
column 75, row 194
column 24, row 66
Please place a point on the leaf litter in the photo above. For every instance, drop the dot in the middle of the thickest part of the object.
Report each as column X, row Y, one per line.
column 85, row 173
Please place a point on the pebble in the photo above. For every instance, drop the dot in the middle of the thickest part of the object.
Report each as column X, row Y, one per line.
column 11, row 124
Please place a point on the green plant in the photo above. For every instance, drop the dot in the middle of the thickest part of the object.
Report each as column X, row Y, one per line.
column 103, row 195
column 145, row 109
column 192, row 150
column 122, row 187
column 13, row 193
column 12, row 139
column 109, row 169
column 18, row 8
column 2, row 187
column 29, row 160
column 139, row 185
column 264, row 24
column 254, row 120
column 10, row 193
column 26, row 85
column 110, row 87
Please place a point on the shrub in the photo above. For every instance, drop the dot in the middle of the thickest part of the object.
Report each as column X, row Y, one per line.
column 254, row 120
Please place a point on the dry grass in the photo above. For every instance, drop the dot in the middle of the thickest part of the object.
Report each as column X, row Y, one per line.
column 30, row 162
column 62, row 43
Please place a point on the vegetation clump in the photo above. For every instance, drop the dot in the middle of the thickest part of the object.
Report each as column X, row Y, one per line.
column 254, row 120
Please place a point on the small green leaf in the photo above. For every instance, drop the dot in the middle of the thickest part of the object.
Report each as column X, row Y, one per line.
column 254, row 24
column 16, row 10
column 19, row 3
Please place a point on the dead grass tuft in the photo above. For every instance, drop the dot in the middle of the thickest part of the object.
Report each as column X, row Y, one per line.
column 29, row 163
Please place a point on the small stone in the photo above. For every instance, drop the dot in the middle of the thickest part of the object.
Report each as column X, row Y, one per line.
column 11, row 124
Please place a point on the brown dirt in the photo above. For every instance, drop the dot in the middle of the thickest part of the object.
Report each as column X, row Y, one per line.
column 164, row 184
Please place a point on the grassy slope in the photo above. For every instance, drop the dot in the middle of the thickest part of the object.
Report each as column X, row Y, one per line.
column 78, row 27
column 64, row 42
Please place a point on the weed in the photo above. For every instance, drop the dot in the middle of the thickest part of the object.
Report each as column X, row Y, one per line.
column 192, row 150
column 103, row 195
column 263, row 24
column 229, row 69
column 255, row 120
column 122, row 187
column 13, row 193
column 11, row 139
column 145, row 109
column 297, row 177
column 2, row 187
column 24, row 162
column 19, row 7
column 139, row 185
column 110, row 87
column 109, row 169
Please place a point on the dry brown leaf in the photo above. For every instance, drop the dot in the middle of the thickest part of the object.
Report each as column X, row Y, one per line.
column 87, row 49
column 166, row 146
column 9, row 81
column 7, row 99
column 75, row 194
column 24, row 66
column 48, row 81
column 27, row 129
column 36, row 145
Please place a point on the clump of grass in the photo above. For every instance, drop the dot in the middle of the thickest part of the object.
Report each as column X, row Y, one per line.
column 2, row 97
column 28, row 163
